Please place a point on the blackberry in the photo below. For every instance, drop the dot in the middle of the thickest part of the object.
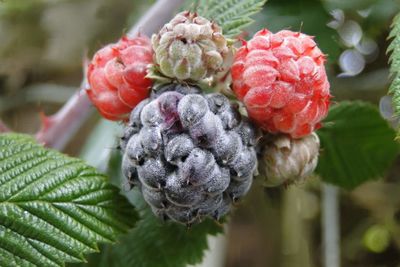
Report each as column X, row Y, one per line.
column 191, row 155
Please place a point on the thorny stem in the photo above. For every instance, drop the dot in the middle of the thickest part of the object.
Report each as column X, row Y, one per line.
column 59, row 128
column 4, row 128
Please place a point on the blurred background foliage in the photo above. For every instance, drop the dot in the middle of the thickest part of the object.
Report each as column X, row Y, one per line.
column 43, row 44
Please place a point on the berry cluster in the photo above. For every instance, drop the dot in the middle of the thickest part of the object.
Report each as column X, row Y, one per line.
column 192, row 155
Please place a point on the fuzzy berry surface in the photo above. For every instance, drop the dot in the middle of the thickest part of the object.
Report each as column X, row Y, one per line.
column 281, row 79
column 116, row 77
column 190, row 48
column 285, row 160
column 191, row 155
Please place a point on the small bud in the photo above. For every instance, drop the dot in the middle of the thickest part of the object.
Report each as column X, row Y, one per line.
column 286, row 160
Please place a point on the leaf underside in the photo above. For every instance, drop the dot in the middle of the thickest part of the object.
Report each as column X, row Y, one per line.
column 357, row 145
column 394, row 61
column 231, row 15
column 53, row 208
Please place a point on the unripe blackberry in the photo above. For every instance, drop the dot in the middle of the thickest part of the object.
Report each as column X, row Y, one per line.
column 190, row 48
column 191, row 155
column 281, row 80
column 285, row 160
column 116, row 77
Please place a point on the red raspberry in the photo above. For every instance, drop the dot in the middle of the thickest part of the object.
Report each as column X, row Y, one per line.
column 116, row 76
column 281, row 80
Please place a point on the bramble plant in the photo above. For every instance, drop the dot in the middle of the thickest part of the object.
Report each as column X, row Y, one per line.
column 190, row 148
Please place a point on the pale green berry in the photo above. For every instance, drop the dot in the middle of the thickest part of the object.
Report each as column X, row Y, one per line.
column 286, row 160
column 190, row 48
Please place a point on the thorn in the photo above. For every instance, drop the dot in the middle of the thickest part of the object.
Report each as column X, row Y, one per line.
column 244, row 42
column 46, row 123
column 115, row 51
column 86, row 62
column 124, row 36
column 45, row 120
column 301, row 28
column 323, row 57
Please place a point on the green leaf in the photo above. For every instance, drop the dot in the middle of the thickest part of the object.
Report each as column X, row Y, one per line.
column 231, row 15
column 357, row 145
column 53, row 208
column 394, row 61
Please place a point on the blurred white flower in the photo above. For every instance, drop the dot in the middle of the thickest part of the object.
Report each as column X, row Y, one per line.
column 350, row 33
column 351, row 62
column 364, row 12
column 338, row 19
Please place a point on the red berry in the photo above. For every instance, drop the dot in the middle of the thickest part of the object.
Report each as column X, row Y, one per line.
column 117, row 77
column 281, row 80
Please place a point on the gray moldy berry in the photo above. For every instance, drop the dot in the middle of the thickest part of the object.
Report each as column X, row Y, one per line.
column 191, row 155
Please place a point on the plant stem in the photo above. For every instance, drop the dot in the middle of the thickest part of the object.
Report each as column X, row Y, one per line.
column 4, row 128
column 296, row 246
column 330, row 225
column 59, row 128
column 155, row 17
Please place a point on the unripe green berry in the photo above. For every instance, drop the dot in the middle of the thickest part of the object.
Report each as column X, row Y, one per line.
column 190, row 48
column 286, row 160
